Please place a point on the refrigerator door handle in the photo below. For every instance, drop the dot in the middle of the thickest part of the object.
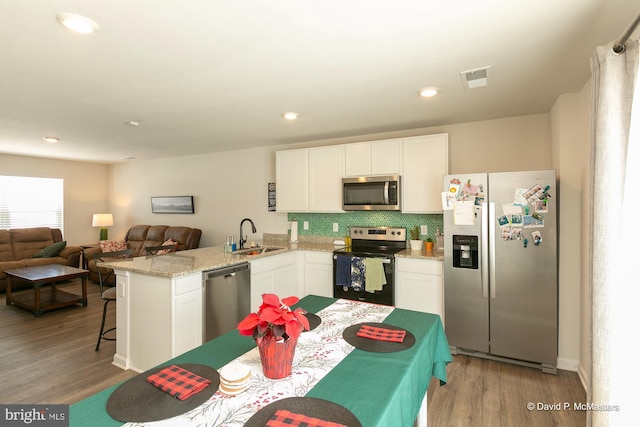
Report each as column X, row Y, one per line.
column 485, row 251
column 492, row 249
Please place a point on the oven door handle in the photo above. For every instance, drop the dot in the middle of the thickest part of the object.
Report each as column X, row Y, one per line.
column 384, row 260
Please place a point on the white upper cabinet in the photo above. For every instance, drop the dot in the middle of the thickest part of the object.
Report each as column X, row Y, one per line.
column 292, row 181
column 425, row 162
column 373, row 158
column 386, row 157
column 326, row 169
column 310, row 179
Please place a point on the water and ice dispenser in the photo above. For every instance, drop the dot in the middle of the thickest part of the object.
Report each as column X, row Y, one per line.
column 465, row 251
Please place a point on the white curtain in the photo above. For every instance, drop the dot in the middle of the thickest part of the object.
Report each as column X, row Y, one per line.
column 615, row 238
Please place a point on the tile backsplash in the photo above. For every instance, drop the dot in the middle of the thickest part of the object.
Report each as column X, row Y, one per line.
column 321, row 224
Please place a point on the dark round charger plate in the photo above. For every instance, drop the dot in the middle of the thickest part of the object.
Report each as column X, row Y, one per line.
column 309, row 406
column 314, row 320
column 138, row 401
column 377, row 346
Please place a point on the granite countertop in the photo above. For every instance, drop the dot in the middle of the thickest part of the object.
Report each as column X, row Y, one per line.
column 192, row 261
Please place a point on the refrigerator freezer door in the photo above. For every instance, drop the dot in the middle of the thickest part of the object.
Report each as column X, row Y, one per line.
column 524, row 290
column 466, row 305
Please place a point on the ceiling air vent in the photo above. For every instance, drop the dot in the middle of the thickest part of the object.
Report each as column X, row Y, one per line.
column 474, row 78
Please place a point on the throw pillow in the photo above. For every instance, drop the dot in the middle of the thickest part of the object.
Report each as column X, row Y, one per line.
column 51, row 250
column 168, row 243
column 112, row 245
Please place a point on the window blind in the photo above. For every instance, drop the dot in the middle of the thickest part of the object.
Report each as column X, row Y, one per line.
column 27, row 202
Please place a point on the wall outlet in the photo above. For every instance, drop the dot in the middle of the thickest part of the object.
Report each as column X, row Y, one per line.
column 305, row 225
column 424, row 230
column 335, row 227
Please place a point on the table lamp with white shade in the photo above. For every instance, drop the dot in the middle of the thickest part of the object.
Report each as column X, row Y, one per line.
column 103, row 220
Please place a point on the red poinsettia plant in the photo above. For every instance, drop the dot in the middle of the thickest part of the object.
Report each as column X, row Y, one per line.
column 275, row 318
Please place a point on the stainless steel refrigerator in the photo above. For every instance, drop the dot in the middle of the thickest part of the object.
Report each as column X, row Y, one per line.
column 500, row 266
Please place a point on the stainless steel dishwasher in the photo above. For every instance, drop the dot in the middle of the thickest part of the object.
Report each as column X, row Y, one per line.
column 227, row 299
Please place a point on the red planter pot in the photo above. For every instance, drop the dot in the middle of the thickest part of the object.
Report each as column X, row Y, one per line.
column 276, row 356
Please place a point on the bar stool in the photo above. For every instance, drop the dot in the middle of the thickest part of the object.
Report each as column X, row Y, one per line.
column 107, row 293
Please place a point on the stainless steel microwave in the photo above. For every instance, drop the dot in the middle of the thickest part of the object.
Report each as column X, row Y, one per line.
column 371, row 193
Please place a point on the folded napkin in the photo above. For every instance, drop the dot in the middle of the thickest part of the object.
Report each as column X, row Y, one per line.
column 178, row 382
column 282, row 418
column 381, row 334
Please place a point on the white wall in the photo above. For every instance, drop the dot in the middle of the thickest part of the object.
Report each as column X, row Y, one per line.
column 565, row 120
column 227, row 187
column 85, row 190
column 232, row 185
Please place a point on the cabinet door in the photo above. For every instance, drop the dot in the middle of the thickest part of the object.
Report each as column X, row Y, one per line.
column 386, row 157
column 292, row 181
column 284, row 282
column 188, row 322
column 318, row 274
column 326, row 168
column 419, row 286
column 357, row 159
column 425, row 162
column 420, row 292
column 274, row 275
column 261, row 283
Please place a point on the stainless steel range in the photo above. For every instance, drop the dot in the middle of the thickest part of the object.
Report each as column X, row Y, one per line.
column 364, row 270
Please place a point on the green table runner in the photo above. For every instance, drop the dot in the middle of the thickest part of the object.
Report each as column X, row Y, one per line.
column 401, row 378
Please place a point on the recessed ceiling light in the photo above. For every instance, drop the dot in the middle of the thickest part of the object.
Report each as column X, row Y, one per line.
column 77, row 23
column 51, row 139
column 290, row 115
column 132, row 123
column 428, row 92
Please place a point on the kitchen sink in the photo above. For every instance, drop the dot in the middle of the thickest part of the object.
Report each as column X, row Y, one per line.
column 256, row 251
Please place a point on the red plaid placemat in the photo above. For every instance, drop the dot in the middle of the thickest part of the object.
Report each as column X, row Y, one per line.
column 282, row 418
column 178, row 382
column 381, row 334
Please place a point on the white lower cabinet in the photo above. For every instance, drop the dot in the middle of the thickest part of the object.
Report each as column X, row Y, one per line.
column 274, row 275
column 318, row 273
column 420, row 286
column 158, row 318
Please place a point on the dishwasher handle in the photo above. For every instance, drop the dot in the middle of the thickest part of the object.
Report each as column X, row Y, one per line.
column 226, row 272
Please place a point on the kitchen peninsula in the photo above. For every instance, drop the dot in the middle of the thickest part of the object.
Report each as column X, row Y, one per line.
column 159, row 312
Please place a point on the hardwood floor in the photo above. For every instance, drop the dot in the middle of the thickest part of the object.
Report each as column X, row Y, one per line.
column 482, row 392
column 52, row 358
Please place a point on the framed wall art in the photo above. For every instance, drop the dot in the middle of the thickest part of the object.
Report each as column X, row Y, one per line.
column 172, row 205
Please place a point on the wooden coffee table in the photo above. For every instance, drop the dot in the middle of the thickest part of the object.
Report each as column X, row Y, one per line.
column 48, row 298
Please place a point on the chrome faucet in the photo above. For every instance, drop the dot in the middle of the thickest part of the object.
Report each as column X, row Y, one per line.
column 253, row 230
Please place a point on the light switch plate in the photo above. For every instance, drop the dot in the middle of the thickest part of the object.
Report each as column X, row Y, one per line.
column 335, row 227
column 424, row 229
column 305, row 225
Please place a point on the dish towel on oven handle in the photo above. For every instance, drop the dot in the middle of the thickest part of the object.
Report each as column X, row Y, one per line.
column 178, row 382
column 374, row 277
column 357, row 273
column 283, row 418
column 343, row 270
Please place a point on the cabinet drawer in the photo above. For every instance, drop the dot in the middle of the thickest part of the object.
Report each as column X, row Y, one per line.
column 419, row 266
column 187, row 284
column 318, row 257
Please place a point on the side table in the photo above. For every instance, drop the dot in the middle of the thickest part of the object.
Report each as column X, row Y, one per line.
column 84, row 258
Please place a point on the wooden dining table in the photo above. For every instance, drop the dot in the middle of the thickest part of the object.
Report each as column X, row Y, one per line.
column 379, row 388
